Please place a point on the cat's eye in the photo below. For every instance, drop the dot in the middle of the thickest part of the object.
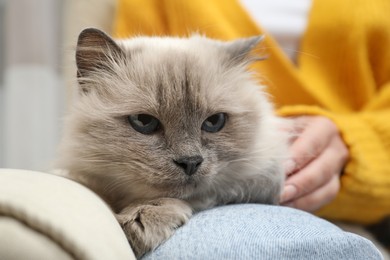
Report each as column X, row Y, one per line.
column 143, row 123
column 214, row 123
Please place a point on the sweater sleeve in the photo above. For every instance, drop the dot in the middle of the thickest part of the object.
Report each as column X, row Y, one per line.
column 365, row 185
column 350, row 77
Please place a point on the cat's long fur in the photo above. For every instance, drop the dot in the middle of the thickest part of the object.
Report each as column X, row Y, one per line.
column 181, row 82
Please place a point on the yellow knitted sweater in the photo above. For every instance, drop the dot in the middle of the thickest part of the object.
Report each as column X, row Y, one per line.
column 343, row 72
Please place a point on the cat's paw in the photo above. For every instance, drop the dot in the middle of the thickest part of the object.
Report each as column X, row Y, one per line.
column 149, row 224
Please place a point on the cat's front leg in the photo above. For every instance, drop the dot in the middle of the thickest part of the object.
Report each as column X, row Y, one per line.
column 150, row 223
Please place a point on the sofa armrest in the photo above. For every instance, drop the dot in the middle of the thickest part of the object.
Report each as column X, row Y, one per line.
column 42, row 215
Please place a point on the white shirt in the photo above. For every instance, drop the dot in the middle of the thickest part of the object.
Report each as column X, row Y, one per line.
column 285, row 20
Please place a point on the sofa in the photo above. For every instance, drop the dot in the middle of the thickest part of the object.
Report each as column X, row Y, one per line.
column 44, row 216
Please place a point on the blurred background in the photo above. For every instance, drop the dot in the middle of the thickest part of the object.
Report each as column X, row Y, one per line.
column 31, row 82
column 37, row 73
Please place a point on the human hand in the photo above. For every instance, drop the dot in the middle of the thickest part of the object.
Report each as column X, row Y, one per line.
column 317, row 158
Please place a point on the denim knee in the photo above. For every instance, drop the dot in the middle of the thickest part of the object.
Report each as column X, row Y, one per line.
column 252, row 231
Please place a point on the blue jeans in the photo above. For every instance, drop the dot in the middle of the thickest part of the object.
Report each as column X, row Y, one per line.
column 250, row 231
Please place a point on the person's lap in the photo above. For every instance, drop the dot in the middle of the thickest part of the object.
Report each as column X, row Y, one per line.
column 251, row 231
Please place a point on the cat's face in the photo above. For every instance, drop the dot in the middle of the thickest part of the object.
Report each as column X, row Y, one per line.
column 163, row 116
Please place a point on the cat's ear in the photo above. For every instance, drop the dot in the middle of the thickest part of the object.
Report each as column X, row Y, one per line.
column 239, row 51
column 96, row 51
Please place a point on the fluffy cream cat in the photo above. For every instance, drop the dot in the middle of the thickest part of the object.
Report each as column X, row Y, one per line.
column 165, row 127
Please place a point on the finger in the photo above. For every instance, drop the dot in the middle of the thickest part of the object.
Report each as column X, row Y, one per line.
column 316, row 173
column 318, row 198
column 310, row 143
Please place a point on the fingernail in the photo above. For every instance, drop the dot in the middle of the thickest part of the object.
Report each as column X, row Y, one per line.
column 289, row 192
column 289, row 166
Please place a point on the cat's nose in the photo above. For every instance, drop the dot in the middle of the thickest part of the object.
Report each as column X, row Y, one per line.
column 189, row 164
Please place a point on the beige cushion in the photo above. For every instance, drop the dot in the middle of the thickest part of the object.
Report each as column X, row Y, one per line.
column 42, row 215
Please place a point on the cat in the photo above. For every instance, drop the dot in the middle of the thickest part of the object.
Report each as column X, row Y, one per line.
column 164, row 127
